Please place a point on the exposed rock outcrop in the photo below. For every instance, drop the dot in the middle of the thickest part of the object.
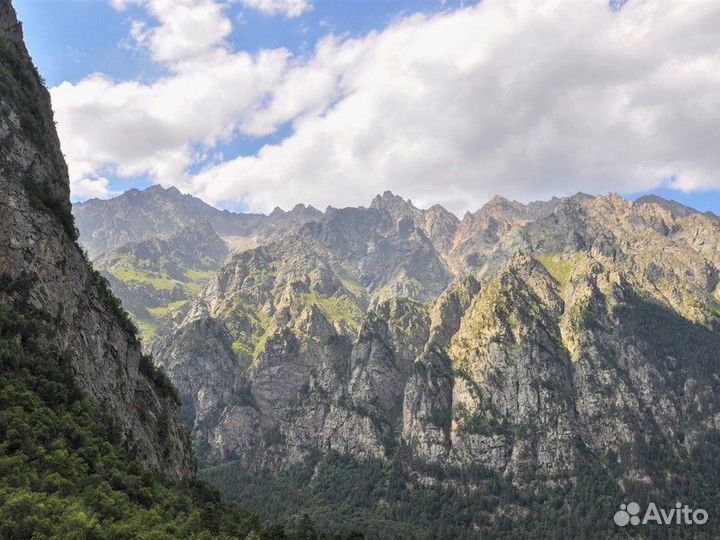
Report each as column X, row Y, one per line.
column 43, row 272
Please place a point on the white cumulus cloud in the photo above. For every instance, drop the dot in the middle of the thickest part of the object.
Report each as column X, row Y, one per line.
column 186, row 28
column 519, row 97
column 133, row 128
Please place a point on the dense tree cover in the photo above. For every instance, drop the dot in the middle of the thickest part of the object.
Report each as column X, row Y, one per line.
column 64, row 475
column 388, row 500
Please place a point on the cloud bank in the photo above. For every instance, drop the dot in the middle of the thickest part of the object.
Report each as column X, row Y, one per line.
column 523, row 98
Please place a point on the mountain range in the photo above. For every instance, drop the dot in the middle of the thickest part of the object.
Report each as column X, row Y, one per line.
column 138, row 215
column 525, row 368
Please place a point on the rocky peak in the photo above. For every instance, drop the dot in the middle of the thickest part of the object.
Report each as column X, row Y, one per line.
column 137, row 215
column 675, row 208
column 502, row 205
column 478, row 233
column 172, row 190
column 389, row 201
column 300, row 213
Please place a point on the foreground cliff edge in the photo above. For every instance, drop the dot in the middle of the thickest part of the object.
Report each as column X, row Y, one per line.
column 46, row 276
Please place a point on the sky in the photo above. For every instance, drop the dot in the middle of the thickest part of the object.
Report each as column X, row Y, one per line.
column 252, row 104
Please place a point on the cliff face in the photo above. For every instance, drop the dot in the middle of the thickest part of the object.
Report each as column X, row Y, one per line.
column 30, row 147
column 44, row 274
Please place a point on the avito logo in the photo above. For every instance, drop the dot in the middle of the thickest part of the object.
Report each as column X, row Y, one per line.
column 629, row 514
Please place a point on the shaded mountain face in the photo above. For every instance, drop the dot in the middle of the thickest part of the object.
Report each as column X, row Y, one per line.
column 45, row 278
column 564, row 346
column 158, row 212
